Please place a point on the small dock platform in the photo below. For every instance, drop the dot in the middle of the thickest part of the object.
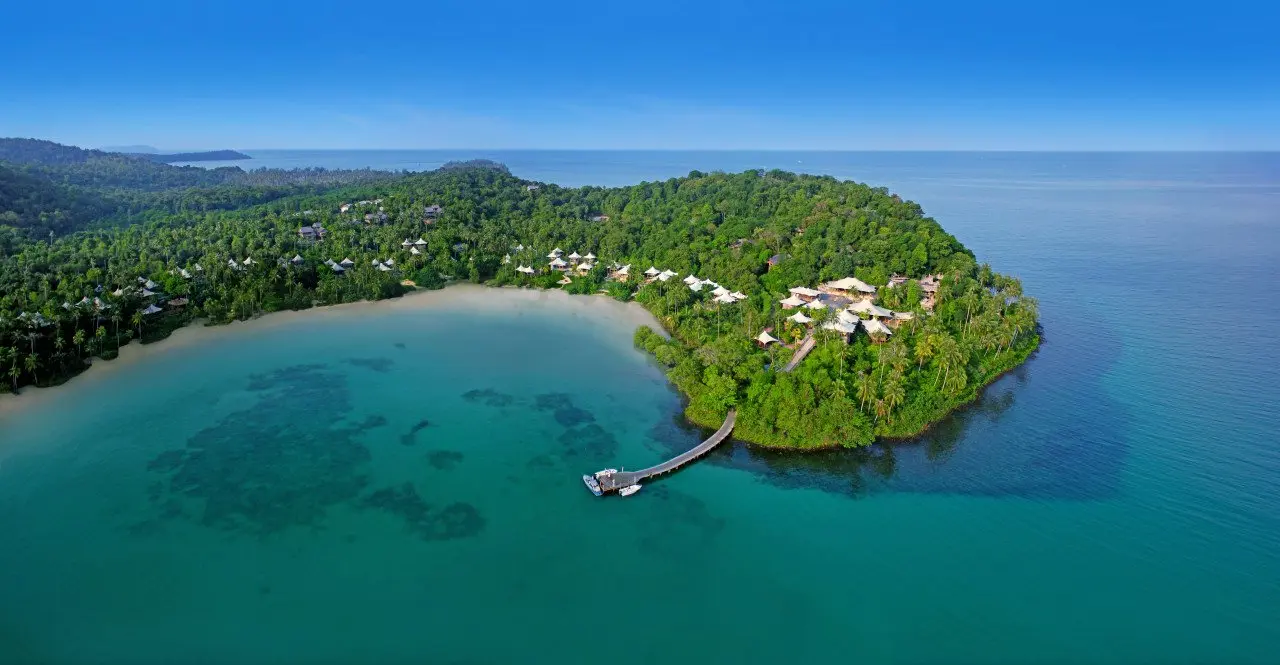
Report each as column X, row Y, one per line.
column 616, row 480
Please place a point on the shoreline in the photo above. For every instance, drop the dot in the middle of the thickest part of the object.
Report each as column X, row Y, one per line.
column 197, row 331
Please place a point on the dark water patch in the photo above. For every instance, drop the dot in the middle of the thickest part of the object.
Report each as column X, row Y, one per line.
column 541, row 462
column 589, row 443
column 456, row 520
column 376, row 364
column 284, row 376
column 488, row 397
column 678, row 521
column 264, row 589
column 566, row 413
column 400, row 345
column 167, row 461
column 372, row 422
column 281, row 463
column 411, row 437
column 444, row 460
column 147, row 529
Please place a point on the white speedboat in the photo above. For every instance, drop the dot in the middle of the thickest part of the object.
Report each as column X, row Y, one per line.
column 592, row 485
column 606, row 472
column 629, row 490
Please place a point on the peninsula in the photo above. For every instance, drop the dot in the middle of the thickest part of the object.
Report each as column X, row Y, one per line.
column 204, row 156
column 822, row 312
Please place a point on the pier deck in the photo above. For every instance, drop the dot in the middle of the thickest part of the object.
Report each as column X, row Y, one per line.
column 805, row 347
column 616, row 481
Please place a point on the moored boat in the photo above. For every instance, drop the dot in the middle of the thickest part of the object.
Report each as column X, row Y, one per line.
column 592, row 485
column 629, row 490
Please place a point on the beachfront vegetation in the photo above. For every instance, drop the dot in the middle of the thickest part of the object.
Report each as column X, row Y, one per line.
column 82, row 293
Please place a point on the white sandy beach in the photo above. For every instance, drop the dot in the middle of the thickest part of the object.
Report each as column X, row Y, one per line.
column 468, row 296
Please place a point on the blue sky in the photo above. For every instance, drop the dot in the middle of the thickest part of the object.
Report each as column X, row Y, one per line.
column 700, row 75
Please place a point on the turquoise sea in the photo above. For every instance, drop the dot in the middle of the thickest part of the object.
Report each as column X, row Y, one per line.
column 399, row 482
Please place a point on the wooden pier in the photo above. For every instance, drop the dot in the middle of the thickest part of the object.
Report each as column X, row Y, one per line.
column 803, row 350
column 612, row 482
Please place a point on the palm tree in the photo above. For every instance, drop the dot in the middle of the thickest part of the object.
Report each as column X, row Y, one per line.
column 894, row 392
column 79, row 341
column 951, row 359
column 865, row 387
column 31, row 367
column 14, row 373
column 137, row 322
column 926, row 346
column 99, row 336
column 115, row 318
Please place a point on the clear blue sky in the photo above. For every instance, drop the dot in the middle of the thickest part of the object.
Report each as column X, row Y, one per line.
column 823, row 74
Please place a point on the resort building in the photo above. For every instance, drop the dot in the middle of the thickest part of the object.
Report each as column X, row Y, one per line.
column 805, row 293
column 622, row 274
column 555, row 253
column 558, row 263
column 666, row 275
column 791, row 302
column 800, row 318
column 691, row 280
column 525, row 269
column 867, row 307
column 765, row 339
column 585, row 268
column 152, row 309
column 296, row 260
column 875, row 330
column 850, row 287
column 725, row 299
column 574, row 257
column 348, row 263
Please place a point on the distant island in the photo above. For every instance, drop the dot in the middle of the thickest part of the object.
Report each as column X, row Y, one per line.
column 823, row 312
column 206, row 156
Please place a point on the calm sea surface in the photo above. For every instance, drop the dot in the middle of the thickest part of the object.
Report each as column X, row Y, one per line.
column 401, row 484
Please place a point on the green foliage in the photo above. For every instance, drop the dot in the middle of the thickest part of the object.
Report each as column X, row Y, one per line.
column 719, row 226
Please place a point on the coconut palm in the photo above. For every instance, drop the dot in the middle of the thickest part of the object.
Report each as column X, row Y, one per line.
column 79, row 342
column 31, row 364
column 865, row 387
column 894, row 392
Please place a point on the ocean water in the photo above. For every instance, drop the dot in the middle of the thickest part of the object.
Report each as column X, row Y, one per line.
column 400, row 483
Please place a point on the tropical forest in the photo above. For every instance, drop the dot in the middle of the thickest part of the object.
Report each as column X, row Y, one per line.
column 827, row 313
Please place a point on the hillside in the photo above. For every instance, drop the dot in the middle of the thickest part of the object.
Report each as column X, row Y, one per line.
column 954, row 326
column 48, row 186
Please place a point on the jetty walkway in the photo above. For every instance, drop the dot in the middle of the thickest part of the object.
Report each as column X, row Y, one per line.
column 805, row 347
column 610, row 482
